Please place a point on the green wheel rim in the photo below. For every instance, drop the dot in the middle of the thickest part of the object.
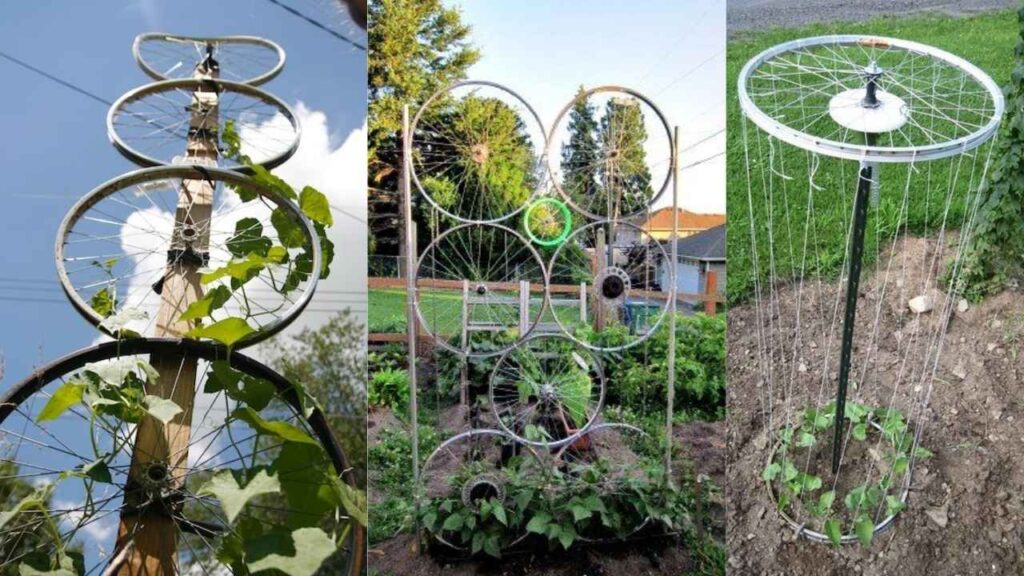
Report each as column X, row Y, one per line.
column 566, row 226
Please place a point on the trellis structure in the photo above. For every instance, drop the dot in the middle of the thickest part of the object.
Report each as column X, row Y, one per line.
column 484, row 262
column 181, row 264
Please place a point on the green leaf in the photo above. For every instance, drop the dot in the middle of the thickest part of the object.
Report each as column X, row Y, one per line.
column 923, row 453
column 865, row 530
column 248, row 239
column 771, row 471
column 205, row 306
column 539, row 523
column 102, row 303
column 566, row 537
column 314, row 205
column 811, row 482
column 860, row 431
column 290, row 232
column 492, row 547
column 833, row 531
column 245, row 269
column 98, row 471
column 499, row 513
column 806, row 440
column 453, row 523
column 893, row 505
column 282, row 430
column 580, row 512
column 354, row 502
column 232, row 495
column 310, row 547
column 227, row 331
column 69, row 394
column 826, row 500
column 162, row 409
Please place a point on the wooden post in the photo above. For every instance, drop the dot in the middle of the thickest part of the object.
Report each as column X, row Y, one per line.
column 583, row 303
column 464, row 366
column 710, row 292
column 410, row 299
column 162, row 450
column 673, row 273
column 524, row 307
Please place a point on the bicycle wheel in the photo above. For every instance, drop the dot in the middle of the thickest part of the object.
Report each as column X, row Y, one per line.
column 113, row 471
column 243, row 59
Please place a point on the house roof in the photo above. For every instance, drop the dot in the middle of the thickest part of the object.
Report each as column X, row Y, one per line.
column 662, row 220
column 708, row 245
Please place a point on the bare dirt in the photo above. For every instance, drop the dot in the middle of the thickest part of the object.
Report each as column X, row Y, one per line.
column 966, row 504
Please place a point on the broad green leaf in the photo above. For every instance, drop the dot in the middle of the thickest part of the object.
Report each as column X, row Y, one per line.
column 806, row 440
column 833, row 531
column 923, row 453
column 205, row 306
column 118, row 322
column 248, row 239
column 282, row 430
column 771, row 471
column 114, row 372
column 492, row 547
column 315, row 206
column 163, row 409
column 811, row 483
column 499, row 513
column 893, row 505
column 826, row 500
column 227, row 331
column 289, row 231
column 69, row 394
column 245, row 269
column 453, row 523
column 310, row 547
column 98, row 471
column 580, row 512
column 102, row 302
column 232, row 495
column 539, row 523
column 860, row 431
column 566, row 537
column 865, row 530
column 354, row 502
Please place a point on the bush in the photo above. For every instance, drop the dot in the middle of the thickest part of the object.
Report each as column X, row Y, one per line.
column 390, row 388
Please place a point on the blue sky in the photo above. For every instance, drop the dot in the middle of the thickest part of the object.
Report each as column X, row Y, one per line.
column 56, row 148
column 672, row 51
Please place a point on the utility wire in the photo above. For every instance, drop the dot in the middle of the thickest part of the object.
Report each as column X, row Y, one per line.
column 53, row 78
column 702, row 160
column 691, row 71
column 316, row 23
column 701, row 141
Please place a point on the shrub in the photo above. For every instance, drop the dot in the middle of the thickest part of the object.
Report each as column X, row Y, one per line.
column 390, row 388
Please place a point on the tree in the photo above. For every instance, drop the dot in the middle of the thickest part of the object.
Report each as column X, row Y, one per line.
column 330, row 364
column 624, row 173
column 581, row 156
column 995, row 254
column 415, row 48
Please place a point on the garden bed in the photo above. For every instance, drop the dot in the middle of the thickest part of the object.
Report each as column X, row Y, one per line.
column 963, row 502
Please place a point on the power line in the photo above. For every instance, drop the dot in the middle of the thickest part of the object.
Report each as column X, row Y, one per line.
column 53, row 78
column 317, row 23
column 701, row 141
column 702, row 160
column 691, row 71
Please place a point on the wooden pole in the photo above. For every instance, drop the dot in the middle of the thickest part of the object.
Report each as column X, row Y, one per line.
column 160, row 455
column 710, row 292
column 410, row 298
column 674, row 255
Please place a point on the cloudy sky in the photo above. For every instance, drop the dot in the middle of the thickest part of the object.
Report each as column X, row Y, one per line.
column 57, row 149
column 672, row 51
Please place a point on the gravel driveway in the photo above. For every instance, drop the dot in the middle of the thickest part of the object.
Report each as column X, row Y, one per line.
column 761, row 14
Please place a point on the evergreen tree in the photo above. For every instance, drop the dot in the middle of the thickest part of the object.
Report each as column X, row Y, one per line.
column 581, row 155
column 415, row 48
column 623, row 171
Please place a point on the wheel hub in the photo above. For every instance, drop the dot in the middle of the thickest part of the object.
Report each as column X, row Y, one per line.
column 481, row 488
column 480, row 153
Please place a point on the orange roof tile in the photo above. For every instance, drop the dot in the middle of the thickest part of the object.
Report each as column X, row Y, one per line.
column 662, row 220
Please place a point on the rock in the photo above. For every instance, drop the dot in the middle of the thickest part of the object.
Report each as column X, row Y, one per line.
column 921, row 304
column 962, row 305
column 802, row 367
column 960, row 371
column 939, row 515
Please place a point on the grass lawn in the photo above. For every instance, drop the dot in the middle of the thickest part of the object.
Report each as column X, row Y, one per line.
column 985, row 40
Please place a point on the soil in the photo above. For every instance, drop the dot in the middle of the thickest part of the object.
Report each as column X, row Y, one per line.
column 965, row 504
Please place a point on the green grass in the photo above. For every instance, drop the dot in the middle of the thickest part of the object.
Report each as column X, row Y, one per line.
column 986, row 40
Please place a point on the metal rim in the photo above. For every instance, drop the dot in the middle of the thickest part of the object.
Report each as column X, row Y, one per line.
column 540, row 149
column 594, row 429
column 595, row 364
column 566, row 227
column 23, row 390
column 815, row 536
column 659, row 254
column 481, row 432
column 185, row 173
column 253, row 40
column 439, row 338
column 550, row 156
column 862, row 152
column 191, row 85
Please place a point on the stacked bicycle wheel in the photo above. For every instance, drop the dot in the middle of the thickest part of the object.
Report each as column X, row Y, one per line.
column 165, row 450
column 535, row 271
